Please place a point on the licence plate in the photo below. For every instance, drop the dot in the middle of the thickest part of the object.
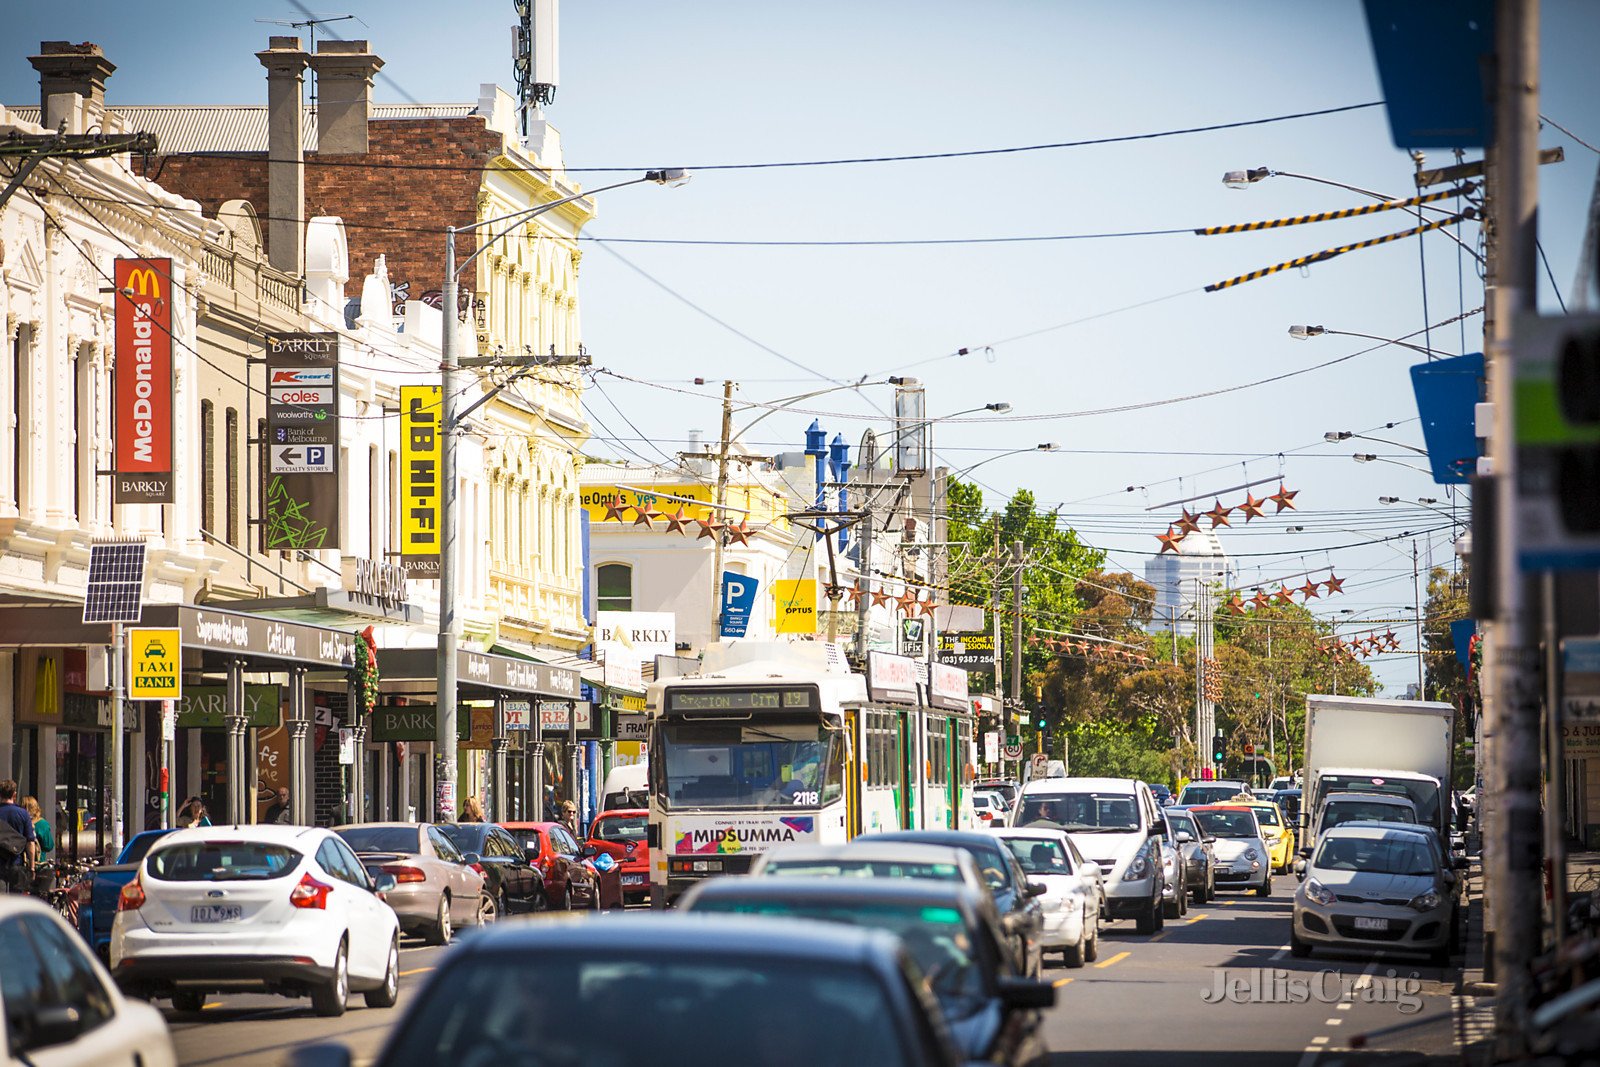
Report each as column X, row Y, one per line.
column 1362, row 922
column 633, row 879
column 216, row 913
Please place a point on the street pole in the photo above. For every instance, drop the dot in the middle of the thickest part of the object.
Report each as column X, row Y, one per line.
column 718, row 538
column 116, row 738
column 444, row 742
column 1513, row 711
column 1016, row 624
column 1416, row 603
column 866, row 461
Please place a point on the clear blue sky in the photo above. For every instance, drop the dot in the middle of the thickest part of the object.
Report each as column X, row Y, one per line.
column 651, row 84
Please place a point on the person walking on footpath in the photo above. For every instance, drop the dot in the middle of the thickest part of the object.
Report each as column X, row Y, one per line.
column 471, row 811
column 44, row 872
column 19, row 842
column 278, row 812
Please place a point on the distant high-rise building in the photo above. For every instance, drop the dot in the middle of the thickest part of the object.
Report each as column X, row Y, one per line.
column 1195, row 570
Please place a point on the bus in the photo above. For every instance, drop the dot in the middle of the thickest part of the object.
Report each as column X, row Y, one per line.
column 774, row 743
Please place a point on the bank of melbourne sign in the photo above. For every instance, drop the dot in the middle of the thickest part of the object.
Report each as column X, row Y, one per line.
column 142, row 382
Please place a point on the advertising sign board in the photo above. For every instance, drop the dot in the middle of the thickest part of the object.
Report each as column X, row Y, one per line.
column 796, row 606
column 143, row 382
column 421, row 450
column 154, row 664
column 302, row 487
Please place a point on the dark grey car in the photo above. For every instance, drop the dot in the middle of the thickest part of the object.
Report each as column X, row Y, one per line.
column 1198, row 855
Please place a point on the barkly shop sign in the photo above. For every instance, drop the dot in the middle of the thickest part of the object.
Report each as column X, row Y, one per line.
column 636, row 635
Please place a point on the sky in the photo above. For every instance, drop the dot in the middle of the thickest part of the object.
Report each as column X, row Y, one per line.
column 1055, row 328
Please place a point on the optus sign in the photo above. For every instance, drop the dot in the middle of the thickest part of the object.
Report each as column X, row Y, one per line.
column 142, row 382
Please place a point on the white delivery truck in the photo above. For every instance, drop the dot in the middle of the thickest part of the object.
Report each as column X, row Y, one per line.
column 1367, row 744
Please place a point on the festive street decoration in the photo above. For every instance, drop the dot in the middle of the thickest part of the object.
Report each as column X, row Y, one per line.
column 1334, row 583
column 1219, row 514
column 614, row 510
column 643, row 515
column 740, row 533
column 1190, row 523
column 1309, row 590
column 708, row 528
column 1169, row 540
column 364, row 670
column 676, row 521
column 1284, row 498
column 1251, row 508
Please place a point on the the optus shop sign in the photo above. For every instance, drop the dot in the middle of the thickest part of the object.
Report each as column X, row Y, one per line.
column 142, row 382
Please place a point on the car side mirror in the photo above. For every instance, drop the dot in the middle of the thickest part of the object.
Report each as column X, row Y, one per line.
column 384, row 883
column 1034, row 889
column 1184, row 837
column 319, row 1056
column 1448, row 877
column 590, row 852
column 1209, row 839
column 53, row 1024
column 1300, row 869
column 1026, row 993
column 469, row 858
column 1157, row 830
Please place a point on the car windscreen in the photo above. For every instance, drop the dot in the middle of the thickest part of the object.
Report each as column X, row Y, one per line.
column 221, row 861
column 383, row 838
column 1182, row 824
column 466, row 837
column 1228, row 823
column 1338, row 812
column 1267, row 816
column 848, row 868
column 1423, row 794
column 1039, row 856
column 1092, row 813
column 936, row 936
column 621, row 828
column 1402, row 854
column 1207, row 794
column 563, row 1009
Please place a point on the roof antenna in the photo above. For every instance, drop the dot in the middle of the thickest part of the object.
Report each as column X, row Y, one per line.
column 535, row 55
column 310, row 23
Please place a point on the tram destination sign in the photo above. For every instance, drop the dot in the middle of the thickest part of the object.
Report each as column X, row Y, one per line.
column 731, row 699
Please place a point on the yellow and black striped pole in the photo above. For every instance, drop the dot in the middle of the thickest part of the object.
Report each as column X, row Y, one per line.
column 1344, row 213
column 1327, row 254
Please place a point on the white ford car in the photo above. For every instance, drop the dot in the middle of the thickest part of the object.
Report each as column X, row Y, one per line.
column 276, row 909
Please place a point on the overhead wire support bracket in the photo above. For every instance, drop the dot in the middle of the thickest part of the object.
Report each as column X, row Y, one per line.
column 1343, row 213
column 1330, row 253
column 35, row 148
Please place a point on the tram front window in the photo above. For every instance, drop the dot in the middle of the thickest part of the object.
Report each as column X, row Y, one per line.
column 781, row 762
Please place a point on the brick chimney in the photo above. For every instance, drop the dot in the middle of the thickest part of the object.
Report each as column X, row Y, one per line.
column 286, row 176
column 72, row 84
column 344, row 72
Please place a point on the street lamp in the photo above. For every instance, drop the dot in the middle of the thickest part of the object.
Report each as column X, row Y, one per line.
column 445, row 740
column 1333, row 437
column 1042, row 446
column 1305, row 333
column 1425, row 503
column 1371, row 457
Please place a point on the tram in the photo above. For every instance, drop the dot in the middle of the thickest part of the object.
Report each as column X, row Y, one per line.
column 774, row 743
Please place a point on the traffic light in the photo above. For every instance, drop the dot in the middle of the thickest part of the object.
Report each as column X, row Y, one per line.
column 1217, row 748
column 1041, row 722
column 1558, row 439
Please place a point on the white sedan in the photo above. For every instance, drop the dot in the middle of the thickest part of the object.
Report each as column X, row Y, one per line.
column 60, row 1007
column 276, row 909
column 1073, row 896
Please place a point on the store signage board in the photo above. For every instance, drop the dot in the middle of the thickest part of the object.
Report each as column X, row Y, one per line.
column 154, row 663
column 142, row 382
column 302, row 492
column 421, row 452
column 891, row 679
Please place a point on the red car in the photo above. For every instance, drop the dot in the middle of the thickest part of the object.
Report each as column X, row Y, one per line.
column 570, row 877
column 621, row 834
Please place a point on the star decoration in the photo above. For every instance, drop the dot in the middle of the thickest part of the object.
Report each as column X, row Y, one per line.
column 1169, row 540
column 1235, row 605
column 925, row 607
column 1284, row 594
column 1251, row 508
column 614, row 510
column 1219, row 514
column 642, row 516
column 907, row 601
column 1284, row 498
column 880, row 598
column 1190, row 523
column 708, row 528
column 676, row 521
column 1334, row 584
column 1261, row 599
column 855, row 593
column 740, row 533
column 1310, row 589
column 1394, row 642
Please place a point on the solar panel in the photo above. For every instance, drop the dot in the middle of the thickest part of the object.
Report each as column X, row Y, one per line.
column 116, row 582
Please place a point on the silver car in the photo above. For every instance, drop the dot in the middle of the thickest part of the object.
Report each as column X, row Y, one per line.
column 436, row 891
column 1242, row 859
column 1198, row 855
column 1377, row 888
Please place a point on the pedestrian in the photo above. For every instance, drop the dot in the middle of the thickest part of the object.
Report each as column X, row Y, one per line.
column 278, row 810
column 193, row 813
column 44, row 872
column 19, row 841
column 569, row 815
column 471, row 811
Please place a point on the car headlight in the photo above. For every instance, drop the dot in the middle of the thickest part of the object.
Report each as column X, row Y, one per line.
column 1139, row 869
column 1424, row 901
column 1252, row 855
column 1319, row 893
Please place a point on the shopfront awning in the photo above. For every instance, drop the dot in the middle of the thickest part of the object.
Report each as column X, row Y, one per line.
column 415, row 671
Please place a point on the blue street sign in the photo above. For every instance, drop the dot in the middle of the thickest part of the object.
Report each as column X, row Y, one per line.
column 738, row 600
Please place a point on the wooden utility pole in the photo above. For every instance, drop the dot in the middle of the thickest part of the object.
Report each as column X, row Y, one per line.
column 720, row 510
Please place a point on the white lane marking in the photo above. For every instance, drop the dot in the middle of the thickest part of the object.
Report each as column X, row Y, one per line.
column 1319, row 1041
column 1346, row 1006
column 1283, row 950
column 1333, row 1022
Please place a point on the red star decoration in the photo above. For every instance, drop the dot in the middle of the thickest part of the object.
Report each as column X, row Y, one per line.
column 1284, row 498
column 1235, row 605
column 1285, row 595
column 740, row 533
column 1190, row 523
column 1394, row 642
column 708, row 528
column 880, row 598
column 1169, row 540
column 907, row 601
column 1251, row 508
column 614, row 510
column 855, row 593
column 642, row 516
column 925, row 607
column 1310, row 589
column 1219, row 514
column 676, row 521
column 1261, row 599
column 1334, row 584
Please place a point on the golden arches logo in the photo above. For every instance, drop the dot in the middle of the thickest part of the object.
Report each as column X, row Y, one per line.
column 143, row 282
column 47, row 689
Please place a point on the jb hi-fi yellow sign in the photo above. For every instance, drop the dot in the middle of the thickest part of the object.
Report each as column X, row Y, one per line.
column 154, row 665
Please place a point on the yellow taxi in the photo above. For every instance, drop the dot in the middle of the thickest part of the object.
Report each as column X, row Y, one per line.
column 1275, row 830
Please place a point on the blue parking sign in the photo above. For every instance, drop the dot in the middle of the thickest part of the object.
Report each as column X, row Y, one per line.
column 738, row 599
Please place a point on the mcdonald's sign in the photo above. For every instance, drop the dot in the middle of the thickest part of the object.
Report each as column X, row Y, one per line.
column 142, row 382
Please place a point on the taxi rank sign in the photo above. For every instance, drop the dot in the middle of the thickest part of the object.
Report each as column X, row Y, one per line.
column 301, row 505
column 142, row 381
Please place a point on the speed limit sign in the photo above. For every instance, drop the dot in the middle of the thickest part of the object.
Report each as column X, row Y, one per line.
column 1012, row 752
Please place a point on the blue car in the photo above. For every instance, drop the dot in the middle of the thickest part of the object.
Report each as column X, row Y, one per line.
column 105, row 885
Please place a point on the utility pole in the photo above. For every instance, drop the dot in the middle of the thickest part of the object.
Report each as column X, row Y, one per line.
column 721, row 503
column 1016, row 622
column 1512, row 704
column 1416, row 602
column 866, row 462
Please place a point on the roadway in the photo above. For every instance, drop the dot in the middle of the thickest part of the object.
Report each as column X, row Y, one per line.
column 1146, row 1001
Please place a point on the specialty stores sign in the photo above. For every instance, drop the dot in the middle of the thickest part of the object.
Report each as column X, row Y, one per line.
column 142, row 382
column 421, row 444
column 302, row 490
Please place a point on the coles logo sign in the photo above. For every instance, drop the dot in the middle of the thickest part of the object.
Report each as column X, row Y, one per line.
column 142, row 383
column 302, row 396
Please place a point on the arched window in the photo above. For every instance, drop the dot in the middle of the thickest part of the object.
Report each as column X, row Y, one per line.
column 613, row 587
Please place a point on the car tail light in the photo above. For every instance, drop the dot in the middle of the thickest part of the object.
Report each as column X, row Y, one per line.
column 132, row 897
column 310, row 893
column 479, row 868
column 402, row 873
